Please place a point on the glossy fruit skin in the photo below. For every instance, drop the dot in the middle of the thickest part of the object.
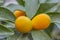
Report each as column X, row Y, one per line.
column 18, row 13
column 41, row 21
column 23, row 24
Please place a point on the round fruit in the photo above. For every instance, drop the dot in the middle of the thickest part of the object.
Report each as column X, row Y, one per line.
column 23, row 24
column 41, row 21
column 18, row 13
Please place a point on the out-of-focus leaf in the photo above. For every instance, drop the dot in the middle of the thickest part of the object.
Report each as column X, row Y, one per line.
column 23, row 36
column 55, row 16
column 1, row 2
column 21, row 2
column 48, row 7
column 5, row 32
column 54, row 9
column 50, row 29
column 13, row 37
column 58, row 9
column 53, row 1
column 7, row 24
column 49, row 1
column 56, row 31
column 40, row 35
column 58, row 25
column 42, row 1
column 6, row 14
column 44, row 7
column 15, row 7
column 20, row 37
column 31, row 7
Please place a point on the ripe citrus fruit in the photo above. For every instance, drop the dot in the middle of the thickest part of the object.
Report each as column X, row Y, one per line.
column 41, row 21
column 18, row 13
column 23, row 24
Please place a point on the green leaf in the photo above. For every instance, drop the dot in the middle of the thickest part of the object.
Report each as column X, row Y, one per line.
column 13, row 37
column 58, row 9
column 54, row 9
column 1, row 2
column 6, row 14
column 44, row 7
column 15, row 7
column 58, row 25
column 51, row 9
column 55, row 16
column 42, row 1
column 5, row 32
column 23, row 38
column 53, row 1
column 31, row 7
column 50, row 29
column 49, row 1
column 56, row 31
column 21, row 2
column 20, row 37
column 7, row 24
column 40, row 35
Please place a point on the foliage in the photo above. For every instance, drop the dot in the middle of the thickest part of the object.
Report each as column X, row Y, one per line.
column 32, row 8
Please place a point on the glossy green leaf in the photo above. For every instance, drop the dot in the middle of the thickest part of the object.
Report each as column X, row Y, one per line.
column 6, row 14
column 15, row 7
column 40, row 35
column 31, row 7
